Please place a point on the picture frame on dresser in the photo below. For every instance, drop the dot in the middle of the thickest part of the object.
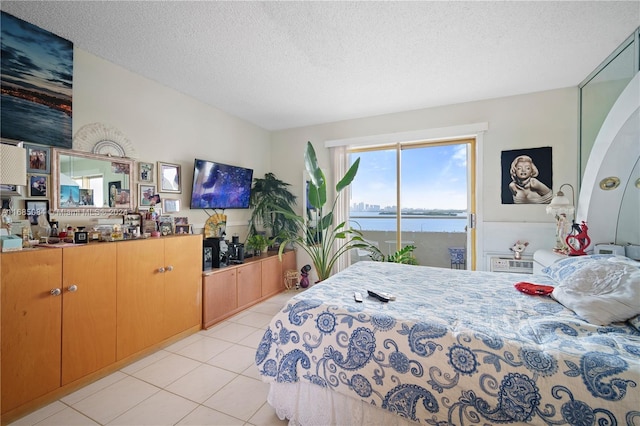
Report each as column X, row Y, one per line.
column 35, row 208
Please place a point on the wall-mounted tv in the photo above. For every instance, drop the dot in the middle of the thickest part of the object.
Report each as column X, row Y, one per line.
column 220, row 186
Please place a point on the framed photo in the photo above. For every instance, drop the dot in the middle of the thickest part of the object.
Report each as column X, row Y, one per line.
column 86, row 197
column 38, row 185
column 170, row 205
column 181, row 220
column 145, row 172
column 165, row 228
column 183, row 229
column 133, row 219
column 11, row 190
column 35, row 208
column 69, row 196
column 38, row 158
column 169, row 177
column 146, row 196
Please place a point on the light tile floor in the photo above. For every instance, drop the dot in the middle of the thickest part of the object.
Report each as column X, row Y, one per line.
column 208, row 378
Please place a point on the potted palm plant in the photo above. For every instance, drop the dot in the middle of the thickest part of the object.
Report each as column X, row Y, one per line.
column 323, row 240
column 270, row 197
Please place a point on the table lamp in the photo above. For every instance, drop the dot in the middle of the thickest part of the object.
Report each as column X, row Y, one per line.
column 561, row 207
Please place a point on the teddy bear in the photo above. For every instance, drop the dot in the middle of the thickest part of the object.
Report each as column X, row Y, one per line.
column 518, row 248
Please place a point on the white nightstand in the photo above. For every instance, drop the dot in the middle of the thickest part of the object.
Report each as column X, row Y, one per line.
column 544, row 258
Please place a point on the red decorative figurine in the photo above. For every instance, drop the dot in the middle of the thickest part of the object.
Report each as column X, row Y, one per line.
column 578, row 240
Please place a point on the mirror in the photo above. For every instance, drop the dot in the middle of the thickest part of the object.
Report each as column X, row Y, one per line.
column 83, row 181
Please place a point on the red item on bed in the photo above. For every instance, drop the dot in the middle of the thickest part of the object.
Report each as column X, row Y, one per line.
column 535, row 289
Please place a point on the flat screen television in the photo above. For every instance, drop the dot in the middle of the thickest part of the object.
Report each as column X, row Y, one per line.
column 220, row 186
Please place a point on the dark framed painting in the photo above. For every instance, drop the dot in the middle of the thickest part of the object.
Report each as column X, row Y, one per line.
column 527, row 176
column 35, row 208
column 37, row 84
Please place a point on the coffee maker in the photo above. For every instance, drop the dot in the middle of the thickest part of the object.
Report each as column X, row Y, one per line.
column 236, row 250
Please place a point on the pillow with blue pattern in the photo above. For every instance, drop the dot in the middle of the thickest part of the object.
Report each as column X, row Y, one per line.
column 563, row 268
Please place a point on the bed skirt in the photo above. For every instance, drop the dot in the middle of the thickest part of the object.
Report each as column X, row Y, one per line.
column 307, row 404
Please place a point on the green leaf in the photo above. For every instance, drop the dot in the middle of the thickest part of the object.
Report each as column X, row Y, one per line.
column 349, row 176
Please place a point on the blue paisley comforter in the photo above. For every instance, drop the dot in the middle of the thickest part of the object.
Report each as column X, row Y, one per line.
column 455, row 346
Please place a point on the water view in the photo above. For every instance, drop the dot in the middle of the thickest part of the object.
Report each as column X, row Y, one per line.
column 374, row 221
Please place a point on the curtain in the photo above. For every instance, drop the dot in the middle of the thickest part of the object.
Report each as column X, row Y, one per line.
column 341, row 213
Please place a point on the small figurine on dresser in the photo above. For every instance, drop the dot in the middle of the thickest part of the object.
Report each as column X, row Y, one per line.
column 518, row 248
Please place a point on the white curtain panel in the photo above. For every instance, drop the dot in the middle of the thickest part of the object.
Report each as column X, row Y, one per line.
column 340, row 167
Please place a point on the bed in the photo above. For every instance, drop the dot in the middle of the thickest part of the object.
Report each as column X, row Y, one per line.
column 455, row 347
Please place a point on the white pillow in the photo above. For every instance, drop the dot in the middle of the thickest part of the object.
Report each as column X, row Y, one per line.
column 601, row 290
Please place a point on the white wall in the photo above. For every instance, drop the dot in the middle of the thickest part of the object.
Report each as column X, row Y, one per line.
column 534, row 120
column 165, row 125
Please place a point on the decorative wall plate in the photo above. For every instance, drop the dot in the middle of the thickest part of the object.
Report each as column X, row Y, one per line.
column 110, row 148
column 101, row 138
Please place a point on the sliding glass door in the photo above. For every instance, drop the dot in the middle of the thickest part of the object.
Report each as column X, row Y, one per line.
column 416, row 195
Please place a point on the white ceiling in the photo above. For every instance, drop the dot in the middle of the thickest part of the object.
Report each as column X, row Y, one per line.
column 290, row 64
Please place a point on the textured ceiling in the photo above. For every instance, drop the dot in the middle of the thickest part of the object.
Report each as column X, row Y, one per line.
column 290, row 64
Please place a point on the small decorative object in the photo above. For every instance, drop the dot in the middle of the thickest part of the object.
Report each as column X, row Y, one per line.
column 578, row 240
column 304, row 276
column 291, row 279
column 518, row 248
column 80, row 237
column 562, row 208
column 215, row 226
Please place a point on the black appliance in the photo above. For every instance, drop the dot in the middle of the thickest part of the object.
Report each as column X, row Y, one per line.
column 219, row 251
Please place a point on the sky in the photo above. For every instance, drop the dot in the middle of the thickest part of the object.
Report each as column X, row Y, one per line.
column 432, row 178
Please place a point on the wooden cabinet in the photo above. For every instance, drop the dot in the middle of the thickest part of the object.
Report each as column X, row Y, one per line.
column 272, row 281
column 159, row 290
column 88, row 310
column 70, row 314
column 182, row 284
column 229, row 290
column 219, row 296
column 31, row 325
column 249, row 283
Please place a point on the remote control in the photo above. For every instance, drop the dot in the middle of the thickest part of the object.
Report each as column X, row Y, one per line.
column 380, row 296
column 357, row 297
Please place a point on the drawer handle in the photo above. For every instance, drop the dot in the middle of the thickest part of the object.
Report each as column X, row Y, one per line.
column 73, row 288
column 169, row 268
column 161, row 269
column 56, row 292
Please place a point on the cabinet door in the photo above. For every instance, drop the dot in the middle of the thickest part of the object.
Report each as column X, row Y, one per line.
column 31, row 325
column 272, row 281
column 249, row 287
column 88, row 309
column 219, row 295
column 140, row 295
column 183, row 283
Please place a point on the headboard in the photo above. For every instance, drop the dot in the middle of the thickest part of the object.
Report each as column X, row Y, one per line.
column 612, row 212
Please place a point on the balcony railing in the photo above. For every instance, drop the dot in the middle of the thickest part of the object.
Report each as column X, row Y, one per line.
column 432, row 246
